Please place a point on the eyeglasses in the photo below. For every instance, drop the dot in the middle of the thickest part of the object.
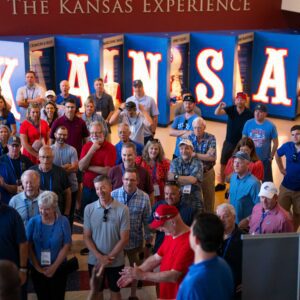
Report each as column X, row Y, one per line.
column 294, row 157
column 165, row 217
column 105, row 214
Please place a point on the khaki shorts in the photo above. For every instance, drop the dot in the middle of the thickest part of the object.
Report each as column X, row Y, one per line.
column 288, row 198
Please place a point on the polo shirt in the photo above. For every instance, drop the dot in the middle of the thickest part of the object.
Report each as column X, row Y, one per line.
column 276, row 220
column 145, row 182
column 243, row 194
column 210, row 279
column 149, row 105
column 106, row 235
column 25, row 207
column 10, row 179
column 77, row 131
column 118, row 146
column 291, row 180
column 61, row 100
column 8, row 121
column 176, row 255
column 105, row 156
column 235, row 123
column 12, row 233
column 104, row 104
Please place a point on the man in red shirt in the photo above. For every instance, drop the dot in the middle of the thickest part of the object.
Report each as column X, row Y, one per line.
column 174, row 255
column 96, row 158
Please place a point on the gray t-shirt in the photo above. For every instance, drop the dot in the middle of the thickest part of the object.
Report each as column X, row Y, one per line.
column 107, row 234
column 66, row 155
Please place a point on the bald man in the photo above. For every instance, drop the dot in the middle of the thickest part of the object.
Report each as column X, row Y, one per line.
column 64, row 95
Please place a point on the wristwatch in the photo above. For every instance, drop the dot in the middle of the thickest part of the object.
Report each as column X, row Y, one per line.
column 176, row 176
column 23, row 270
column 120, row 109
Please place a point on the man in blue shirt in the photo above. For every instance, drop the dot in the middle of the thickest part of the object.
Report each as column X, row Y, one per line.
column 61, row 98
column 289, row 194
column 182, row 125
column 244, row 187
column 210, row 276
column 263, row 133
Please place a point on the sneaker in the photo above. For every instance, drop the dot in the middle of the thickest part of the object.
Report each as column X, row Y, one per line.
column 84, row 251
column 220, row 187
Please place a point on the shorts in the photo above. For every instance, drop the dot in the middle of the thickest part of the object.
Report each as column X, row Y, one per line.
column 227, row 151
column 134, row 255
column 79, row 176
column 288, row 198
column 111, row 275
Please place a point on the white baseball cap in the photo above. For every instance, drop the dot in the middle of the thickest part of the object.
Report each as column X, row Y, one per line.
column 268, row 190
column 50, row 93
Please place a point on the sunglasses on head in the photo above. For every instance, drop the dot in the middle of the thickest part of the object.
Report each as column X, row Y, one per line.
column 154, row 140
column 158, row 217
column 184, row 124
column 294, row 157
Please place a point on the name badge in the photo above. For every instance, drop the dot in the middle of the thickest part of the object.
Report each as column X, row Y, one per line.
column 156, row 190
column 46, row 257
column 132, row 129
column 187, row 189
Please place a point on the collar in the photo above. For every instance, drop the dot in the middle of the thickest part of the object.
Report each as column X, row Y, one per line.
column 33, row 200
column 273, row 211
column 112, row 204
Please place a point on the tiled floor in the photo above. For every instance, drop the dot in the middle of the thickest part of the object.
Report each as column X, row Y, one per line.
column 219, row 130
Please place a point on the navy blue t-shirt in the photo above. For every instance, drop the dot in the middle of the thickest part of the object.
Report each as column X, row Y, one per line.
column 12, row 233
column 291, row 180
column 235, row 123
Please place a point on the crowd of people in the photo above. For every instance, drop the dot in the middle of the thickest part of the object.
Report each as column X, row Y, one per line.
column 58, row 164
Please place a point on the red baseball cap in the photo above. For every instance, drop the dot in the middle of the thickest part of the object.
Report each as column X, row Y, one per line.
column 241, row 95
column 163, row 213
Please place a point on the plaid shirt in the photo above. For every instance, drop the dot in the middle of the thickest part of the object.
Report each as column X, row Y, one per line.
column 139, row 212
column 207, row 141
column 192, row 168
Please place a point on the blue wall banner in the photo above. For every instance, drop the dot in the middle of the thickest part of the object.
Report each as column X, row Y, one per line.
column 275, row 64
column 147, row 58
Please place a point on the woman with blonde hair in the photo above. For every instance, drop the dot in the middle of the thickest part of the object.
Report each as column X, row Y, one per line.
column 34, row 133
column 154, row 161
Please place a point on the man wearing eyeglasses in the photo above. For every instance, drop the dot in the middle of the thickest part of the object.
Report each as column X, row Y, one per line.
column 182, row 125
column 138, row 203
column 289, row 191
column 173, row 257
column 106, row 233
column 13, row 164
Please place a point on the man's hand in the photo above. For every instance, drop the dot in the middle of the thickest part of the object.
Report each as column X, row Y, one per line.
column 96, row 146
column 49, row 271
column 129, row 274
column 244, row 224
column 2, row 182
column 105, row 260
column 222, row 105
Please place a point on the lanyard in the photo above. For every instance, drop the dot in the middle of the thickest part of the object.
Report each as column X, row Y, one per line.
column 13, row 168
column 27, row 210
column 127, row 197
column 227, row 246
column 42, row 236
column 259, row 227
column 43, row 181
column 136, row 119
column 31, row 95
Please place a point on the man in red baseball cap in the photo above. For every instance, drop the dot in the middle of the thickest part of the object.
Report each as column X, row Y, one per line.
column 174, row 255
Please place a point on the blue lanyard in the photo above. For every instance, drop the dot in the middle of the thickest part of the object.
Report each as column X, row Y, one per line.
column 134, row 122
column 41, row 235
column 127, row 198
column 227, row 246
column 27, row 93
column 43, row 181
column 259, row 227
column 13, row 168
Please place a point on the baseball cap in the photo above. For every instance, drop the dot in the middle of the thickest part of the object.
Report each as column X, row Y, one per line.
column 14, row 140
column 242, row 155
column 241, row 95
column 189, row 98
column 130, row 105
column 50, row 93
column 163, row 213
column 186, row 142
column 268, row 190
column 261, row 107
column 137, row 82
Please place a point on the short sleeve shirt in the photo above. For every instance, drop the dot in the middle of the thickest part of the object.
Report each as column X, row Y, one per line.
column 8, row 121
column 235, row 123
column 61, row 100
column 107, row 234
column 105, row 104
